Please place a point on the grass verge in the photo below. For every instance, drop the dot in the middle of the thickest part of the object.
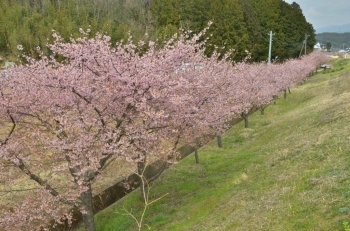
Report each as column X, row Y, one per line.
column 288, row 171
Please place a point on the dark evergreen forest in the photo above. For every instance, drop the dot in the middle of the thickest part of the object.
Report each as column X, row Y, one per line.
column 242, row 25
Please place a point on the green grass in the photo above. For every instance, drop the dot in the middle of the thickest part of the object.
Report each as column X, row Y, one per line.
column 288, row 171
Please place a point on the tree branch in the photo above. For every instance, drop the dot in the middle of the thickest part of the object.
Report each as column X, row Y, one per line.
column 89, row 102
column 42, row 183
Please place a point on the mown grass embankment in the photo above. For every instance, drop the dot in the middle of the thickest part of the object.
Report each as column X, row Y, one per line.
column 289, row 171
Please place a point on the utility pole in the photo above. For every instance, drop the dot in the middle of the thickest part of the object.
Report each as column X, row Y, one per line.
column 270, row 47
column 306, row 36
column 302, row 47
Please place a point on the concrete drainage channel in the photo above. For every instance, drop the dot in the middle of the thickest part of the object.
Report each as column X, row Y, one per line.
column 119, row 189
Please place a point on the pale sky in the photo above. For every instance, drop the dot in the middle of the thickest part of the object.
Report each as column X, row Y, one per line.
column 323, row 13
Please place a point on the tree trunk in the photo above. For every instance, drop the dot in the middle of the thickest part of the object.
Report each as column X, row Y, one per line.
column 196, row 156
column 87, row 207
column 219, row 141
column 285, row 94
column 262, row 110
column 142, row 180
column 289, row 90
column 245, row 117
column 274, row 99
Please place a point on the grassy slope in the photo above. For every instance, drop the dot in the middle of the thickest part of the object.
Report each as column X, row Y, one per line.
column 289, row 171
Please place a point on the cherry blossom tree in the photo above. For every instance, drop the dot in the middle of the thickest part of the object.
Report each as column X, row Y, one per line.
column 261, row 83
column 99, row 104
column 297, row 71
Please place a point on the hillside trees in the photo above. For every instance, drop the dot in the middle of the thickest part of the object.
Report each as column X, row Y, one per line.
column 228, row 23
column 301, row 26
column 229, row 28
column 262, row 17
column 240, row 25
column 286, row 21
column 30, row 23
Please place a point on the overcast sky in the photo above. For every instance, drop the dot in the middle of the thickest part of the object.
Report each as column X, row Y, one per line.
column 323, row 13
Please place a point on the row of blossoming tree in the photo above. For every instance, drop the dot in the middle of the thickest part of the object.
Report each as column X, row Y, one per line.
column 91, row 103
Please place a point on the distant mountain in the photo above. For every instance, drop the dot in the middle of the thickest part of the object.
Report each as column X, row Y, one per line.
column 339, row 41
column 334, row 29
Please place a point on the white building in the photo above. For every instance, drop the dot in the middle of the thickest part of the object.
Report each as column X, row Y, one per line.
column 318, row 46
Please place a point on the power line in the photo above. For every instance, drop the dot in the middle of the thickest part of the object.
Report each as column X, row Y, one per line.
column 247, row 10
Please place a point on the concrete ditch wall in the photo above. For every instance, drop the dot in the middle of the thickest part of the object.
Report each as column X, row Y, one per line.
column 120, row 189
